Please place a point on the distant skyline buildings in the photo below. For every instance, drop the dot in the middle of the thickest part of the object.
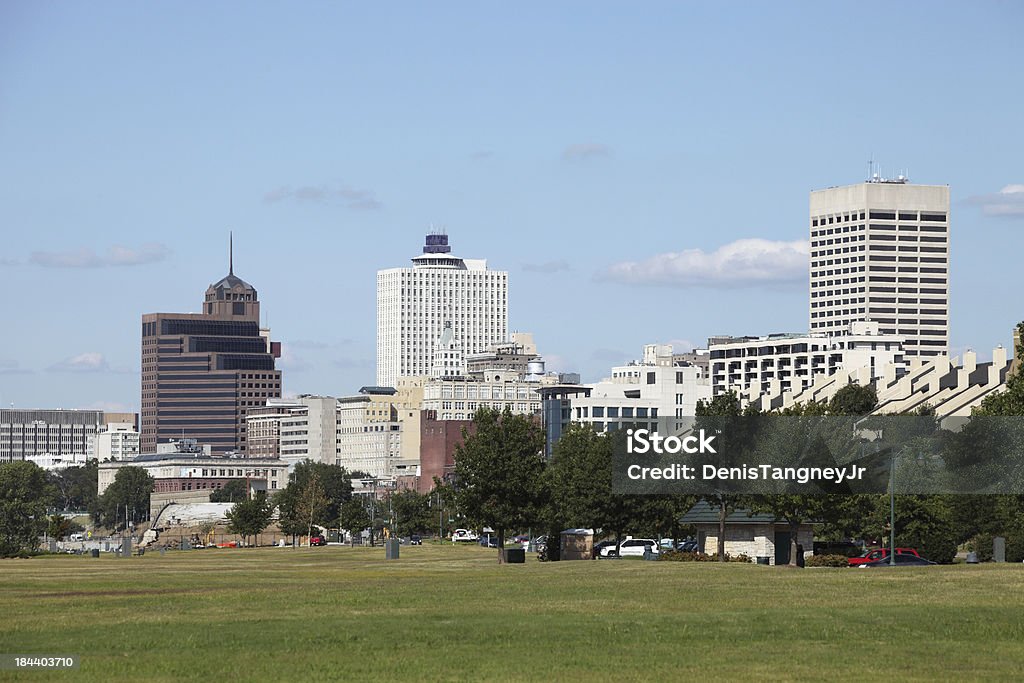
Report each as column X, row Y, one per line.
column 201, row 373
column 880, row 252
column 440, row 294
column 563, row 165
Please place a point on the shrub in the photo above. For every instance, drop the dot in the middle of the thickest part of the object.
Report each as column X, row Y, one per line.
column 827, row 561
column 675, row 556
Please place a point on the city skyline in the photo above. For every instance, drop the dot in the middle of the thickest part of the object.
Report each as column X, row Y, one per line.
column 613, row 184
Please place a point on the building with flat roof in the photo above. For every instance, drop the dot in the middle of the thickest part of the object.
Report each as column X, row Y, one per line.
column 792, row 362
column 187, row 466
column 201, row 373
column 879, row 251
column 60, row 435
column 416, row 304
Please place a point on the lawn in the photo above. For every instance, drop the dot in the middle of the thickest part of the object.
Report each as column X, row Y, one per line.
column 452, row 614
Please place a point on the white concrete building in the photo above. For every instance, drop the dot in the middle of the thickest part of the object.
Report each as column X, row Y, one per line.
column 62, row 433
column 414, row 304
column 950, row 386
column 642, row 391
column 309, row 432
column 52, row 463
column 880, row 252
column 792, row 362
column 369, row 435
column 119, row 441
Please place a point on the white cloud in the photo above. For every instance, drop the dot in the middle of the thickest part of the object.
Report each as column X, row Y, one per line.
column 117, row 255
column 350, row 197
column 585, row 151
column 1008, row 202
column 89, row 361
column 743, row 263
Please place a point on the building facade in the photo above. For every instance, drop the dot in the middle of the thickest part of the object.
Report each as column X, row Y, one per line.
column 201, row 373
column 792, row 362
column 59, row 434
column 187, row 466
column 880, row 252
column 415, row 304
column 119, row 441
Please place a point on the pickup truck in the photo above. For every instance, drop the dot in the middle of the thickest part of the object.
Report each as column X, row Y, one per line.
column 879, row 554
column 464, row 536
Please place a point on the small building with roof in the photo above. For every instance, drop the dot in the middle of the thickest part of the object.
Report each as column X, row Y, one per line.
column 754, row 534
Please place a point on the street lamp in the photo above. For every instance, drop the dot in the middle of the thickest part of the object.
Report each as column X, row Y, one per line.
column 373, row 498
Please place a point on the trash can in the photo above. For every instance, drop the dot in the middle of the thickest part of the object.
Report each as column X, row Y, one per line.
column 762, row 559
column 972, row 558
column 391, row 547
column 514, row 555
column 95, row 552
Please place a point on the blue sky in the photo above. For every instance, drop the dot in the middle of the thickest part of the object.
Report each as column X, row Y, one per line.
column 561, row 143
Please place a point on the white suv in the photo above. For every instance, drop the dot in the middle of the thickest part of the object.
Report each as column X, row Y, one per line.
column 631, row 547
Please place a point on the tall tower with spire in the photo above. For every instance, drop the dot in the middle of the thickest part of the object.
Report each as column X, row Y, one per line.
column 231, row 297
column 201, row 373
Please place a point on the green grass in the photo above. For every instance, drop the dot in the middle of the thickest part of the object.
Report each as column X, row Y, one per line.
column 453, row 614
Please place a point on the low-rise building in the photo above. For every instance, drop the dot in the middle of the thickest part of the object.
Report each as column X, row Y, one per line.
column 756, row 535
column 118, row 441
column 187, row 466
column 793, row 362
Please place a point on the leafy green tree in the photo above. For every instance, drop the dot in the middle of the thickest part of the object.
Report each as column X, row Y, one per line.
column 76, row 486
column 353, row 518
column 312, row 504
column 334, row 481
column 288, row 519
column 853, row 399
column 735, row 425
column 498, row 471
column 24, row 492
column 411, row 512
column 130, row 489
column 234, row 490
column 250, row 516
column 58, row 527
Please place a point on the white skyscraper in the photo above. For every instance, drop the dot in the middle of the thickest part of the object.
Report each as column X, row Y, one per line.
column 880, row 252
column 414, row 304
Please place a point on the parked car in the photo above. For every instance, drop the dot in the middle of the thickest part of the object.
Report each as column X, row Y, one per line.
column 317, row 541
column 415, row 540
column 489, row 541
column 879, row 554
column 688, row 546
column 464, row 536
column 902, row 560
column 631, row 547
column 598, row 547
column 521, row 539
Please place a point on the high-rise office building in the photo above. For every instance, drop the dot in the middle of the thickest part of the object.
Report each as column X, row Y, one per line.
column 415, row 304
column 880, row 252
column 201, row 372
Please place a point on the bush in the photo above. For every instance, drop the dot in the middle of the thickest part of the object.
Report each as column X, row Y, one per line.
column 827, row 561
column 676, row 556
column 937, row 546
column 982, row 545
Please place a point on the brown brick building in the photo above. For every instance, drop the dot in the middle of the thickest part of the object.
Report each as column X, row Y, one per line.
column 438, row 439
column 202, row 372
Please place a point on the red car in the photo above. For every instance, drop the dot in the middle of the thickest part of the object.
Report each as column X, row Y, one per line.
column 879, row 554
column 315, row 541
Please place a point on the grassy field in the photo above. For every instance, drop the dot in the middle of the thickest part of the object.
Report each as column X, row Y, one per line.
column 453, row 614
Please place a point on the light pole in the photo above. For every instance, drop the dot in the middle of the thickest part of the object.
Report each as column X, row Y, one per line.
column 373, row 497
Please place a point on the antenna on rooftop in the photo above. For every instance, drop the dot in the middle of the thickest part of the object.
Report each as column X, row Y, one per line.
column 231, row 252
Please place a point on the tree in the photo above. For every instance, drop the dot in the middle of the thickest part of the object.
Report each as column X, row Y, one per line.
column 58, row 527
column 736, row 431
column 24, row 491
column 411, row 512
column 498, row 471
column 127, row 496
column 234, row 490
column 250, row 516
column 312, row 504
column 853, row 399
column 76, row 486
column 353, row 518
